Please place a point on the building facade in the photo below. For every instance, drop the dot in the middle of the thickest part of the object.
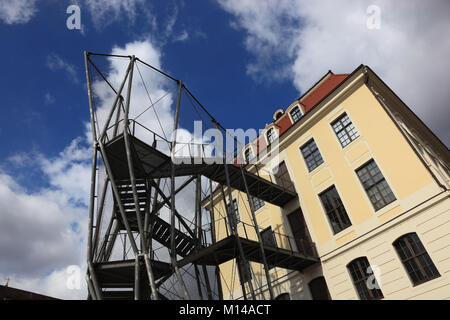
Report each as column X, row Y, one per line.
column 373, row 196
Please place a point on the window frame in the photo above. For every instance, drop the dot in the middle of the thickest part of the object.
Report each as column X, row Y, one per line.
column 375, row 184
column 261, row 203
column 344, row 129
column 415, row 257
column 292, row 111
column 311, row 152
column 271, row 129
column 334, row 210
column 375, row 293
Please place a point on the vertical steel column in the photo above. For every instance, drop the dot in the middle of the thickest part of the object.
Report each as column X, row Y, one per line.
column 91, row 271
column 213, row 236
column 137, row 279
column 198, row 209
column 244, row 261
column 211, row 213
column 173, row 254
column 99, row 216
column 133, row 186
column 261, row 247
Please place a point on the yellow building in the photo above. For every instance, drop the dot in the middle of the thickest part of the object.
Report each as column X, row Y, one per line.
column 373, row 195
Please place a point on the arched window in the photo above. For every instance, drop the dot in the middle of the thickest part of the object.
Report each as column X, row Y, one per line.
column 318, row 288
column 271, row 135
column 364, row 279
column 415, row 259
column 296, row 114
column 283, row 296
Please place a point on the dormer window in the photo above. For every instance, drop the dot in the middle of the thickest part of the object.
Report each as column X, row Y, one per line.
column 248, row 155
column 296, row 114
column 271, row 135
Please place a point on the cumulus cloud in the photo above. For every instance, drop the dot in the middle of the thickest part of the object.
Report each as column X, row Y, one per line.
column 17, row 11
column 40, row 237
column 301, row 40
column 44, row 231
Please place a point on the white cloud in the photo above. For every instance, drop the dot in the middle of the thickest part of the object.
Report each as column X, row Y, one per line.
column 17, row 11
column 38, row 238
column 103, row 12
column 43, row 232
column 56, row 63
column 301, row 40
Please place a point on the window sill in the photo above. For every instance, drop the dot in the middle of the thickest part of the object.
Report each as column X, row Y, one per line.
column 317, row 169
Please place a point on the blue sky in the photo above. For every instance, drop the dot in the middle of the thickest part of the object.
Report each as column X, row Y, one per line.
column 212, row 63
column 242, row 58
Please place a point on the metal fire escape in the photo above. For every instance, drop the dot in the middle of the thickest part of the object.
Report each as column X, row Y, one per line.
column 134, row 170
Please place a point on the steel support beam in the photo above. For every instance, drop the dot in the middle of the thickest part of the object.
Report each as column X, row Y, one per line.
column 261, row 247
column 173, row 253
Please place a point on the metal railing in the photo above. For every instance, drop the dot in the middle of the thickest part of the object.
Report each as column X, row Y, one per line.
column 280, row 240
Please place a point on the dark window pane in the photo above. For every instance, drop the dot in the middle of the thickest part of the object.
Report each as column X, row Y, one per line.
column 337, row 215
column 345, row 130
column 361, row 275
column 296, row 114
column 312, row 155
column 415, row 259
column 377, row 188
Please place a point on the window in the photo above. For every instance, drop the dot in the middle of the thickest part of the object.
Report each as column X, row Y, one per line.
column 236, row 210
column 364, row 279
column 318, row 288
column 271, row 135
column 379, row 192
column 335, row 210
column 282, row 177
column 248, row 154
column 311, row 154
column 415, row 259
column 283, row 296
column 296, row 114
column 268, row 237
column 345, row 130
column 257, row 203
column 300, row 233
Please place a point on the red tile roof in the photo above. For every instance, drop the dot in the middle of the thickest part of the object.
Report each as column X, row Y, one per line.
column 322, row 90
column 312, row 97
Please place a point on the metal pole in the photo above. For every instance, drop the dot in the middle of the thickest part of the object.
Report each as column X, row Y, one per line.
column 91, row 272
column 117, row 197
column 198, row 206
column 115, row 101
column 99, row 216
column 211, row 212
column 173, row 254
column 133, row 184
column 252, row 209
column 244, row 262
column 137, row 279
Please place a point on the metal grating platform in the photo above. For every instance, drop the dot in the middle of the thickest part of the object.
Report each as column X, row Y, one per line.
column 148, row 162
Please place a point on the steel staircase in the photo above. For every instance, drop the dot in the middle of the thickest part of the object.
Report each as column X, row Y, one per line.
column 160, row 229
